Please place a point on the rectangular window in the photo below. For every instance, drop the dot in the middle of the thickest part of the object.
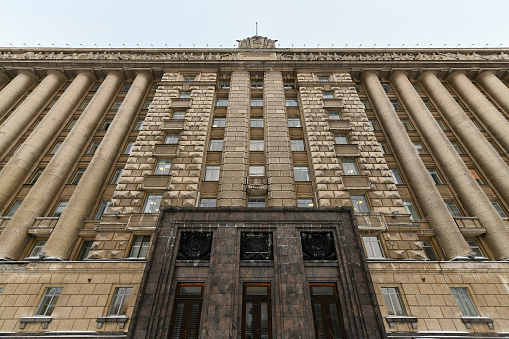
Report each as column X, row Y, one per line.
column 116, row 176
column 453, row 209
column 171, row 139
column 129, row 147
column 140, row 246
column 434, row 176
column 289, row 85
column 179, row 115
column 410, row 209
column 256, row 102
column 366, row 104
column 256, row 311
column 373, row 247
column 60, row 209
column 256, row 202
column 499, row 209
column 184, row 95
column 49, row 301
column 301, row 173
column 216, row 145
column 360, row 203
column 117, row 104
column 106, row 125
column 456, row 147
column 384, row 148
column 152, row 203
column 36, row 176
column 256, row 145
column 349, row 167
column 208, row 202
column 139, row 125
column 323, row 79
column 419, row 148
column 305, row 202
column 120, row 301
column 428, row 104
column 147, row 104
column 359, row 89
column 55, row 149
column 219, row 122
column 102, row 209
column 464, row 301
column 221, row 102
column 328, row 95
column 396, row 105
column 85, row 250
column 495, row 147
column 14, row 208
column 476, row 177
column 393, row 301
column 189, row 78
column 71, row 124
column 185, row 317
column 224, row 85
column 297, row 145
column 256, row 122
column 341, row 139
column 211, row 173
column 78, row 176
column 294, row 122
column 441, row 124
column 126, row 87
column 163, row 167
column 326, row 311
column 417, row 88
column 292, row 102
column 85, row 104
column 256, row 170
column 408, row 126
column 334, row 115
column 38, row 247
column 395, row 176
column 95, row 88
column 93, row 147
column 428, row 250
column 476, row 123
column 387, row 88
column 256, row 84
column 474, row 247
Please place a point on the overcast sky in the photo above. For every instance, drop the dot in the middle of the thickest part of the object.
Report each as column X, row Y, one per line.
column 220, row 23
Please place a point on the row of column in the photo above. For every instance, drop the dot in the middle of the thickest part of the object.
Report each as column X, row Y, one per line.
column 469, row 192
column 38, row 200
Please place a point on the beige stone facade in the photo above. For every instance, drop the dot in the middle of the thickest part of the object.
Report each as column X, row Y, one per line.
column 94, row 145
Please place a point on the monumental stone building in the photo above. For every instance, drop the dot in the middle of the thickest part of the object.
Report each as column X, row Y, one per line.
column 254, row 192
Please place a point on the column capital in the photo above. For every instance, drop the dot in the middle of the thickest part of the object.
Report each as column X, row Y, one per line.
column 59, row 73
column 484, row 73
column 425, row 73
column 147, row 72
column 116, row 71
column 455, row 73
column 29, row 73
column 398, row 73
column 88, row 72
column 371, row 71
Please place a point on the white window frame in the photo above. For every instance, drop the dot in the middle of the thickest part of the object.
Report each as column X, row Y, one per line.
column 152, row 203
column 212, row 173
column 360, row 203
column 294, row 122
column 349, row 167
column 171, row 138
column 256, row 145
column 464, row 301
column 301, row 173
column 48, row 301
column 297, row 145
column 393, row 301
column 373, row 247
column 120, row 301
column 216, row 145
column 256, row 170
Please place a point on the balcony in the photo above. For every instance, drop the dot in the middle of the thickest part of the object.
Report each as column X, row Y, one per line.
column 173, row 126
column 156, row 181
column 356, row 182
column 256, row 185
column 347, row 150
column 339, row 125
column 166, row 150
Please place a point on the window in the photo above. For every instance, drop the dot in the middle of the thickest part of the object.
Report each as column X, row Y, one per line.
column 38, row 247
column 78, row 176
column 441, row 124
column 474, row 247
column 17, row 148
column 154, row 87
column 453, row 209
column 297, row 145
column 93, row 147
column 374, row 125
column 211, row 173
column 428, row 104
column 395, row 176
column 222, row 102
column 495, row 147
column 360, row 203
column 208, row 202
column 120, row 301
column 256, row 170
column 95, row 88
column 55, row 149
column 163, row 167
column 387, row 88
column 476, row 177
column 171, row 139
column 464, row 301
column 71, row 124
column 117, row 104
column 359, row 89
column 256, row 311
column 328, row 95
column 476, row 123
column 184, row 95
column 256, row 202
column 185, row 317
column 152, row 203
column 256, row 145
column 289, row 84
column 366, row 104
column 305, row 202
column 85, row 104
column 129, row 147
column 106, row 125
column 396, row 105
column 326, row 311
column 456, row 147
column 140, row 246
column 434, row 176
column 301, row 173
column 341, row 139
column 408, row 126
column 216, row 145
column 349, row 167
column 256, row 84
column 410, row 209
column 116, row 176
column 49, row 301
column 60, row 209
column 189, row 78
column 256, row 122
column 334, row 115
column 85, row 250
column 147, row 104
column 292, row 102
column 102, row 209
column 219, row 122
column 393, row 301
column 256, row 102
column 294, row 122
column 14, row 208
column 139, row 125
column 126, row 87
column 373, row 247
column 428, row 250
column 384, row 148
column 499, row 209
column 36, row 176
column 417, row 88
column 1, row 289
column 179, row 115
column 323, row 79
column 419, row 148
column 224, row 85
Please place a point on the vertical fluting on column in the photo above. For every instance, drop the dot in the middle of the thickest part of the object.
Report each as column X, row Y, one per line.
column 486, row 156
column 429, row 198
column 20, row 164
column 496, row 88
column 277, row 142
column 14, row 90
column 469, row 192
column 84, row 198
column 236, row 143
column 40, row 197
column 482, row 108
column 18, row 121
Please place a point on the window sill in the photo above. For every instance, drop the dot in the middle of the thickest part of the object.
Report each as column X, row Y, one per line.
column 121, row 319
column 468, row 321
column 401, row 319
column 251, row 263
column 192, row 263
column 45, row 320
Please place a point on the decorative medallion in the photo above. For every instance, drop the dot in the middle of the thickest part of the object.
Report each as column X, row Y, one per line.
column 257, row 41
column 195, row 246
column 256, row 246
column 318, row 246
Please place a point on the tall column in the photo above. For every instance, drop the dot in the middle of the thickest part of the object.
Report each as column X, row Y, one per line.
column 39, row 199
column 277, row 145
column 484, row 154
column 232, row 191
column 483, row 109
column 20, row 164
column 496, row 88
column 427, row 194
column 14, row 90
column 18, row 121
column 469, row 192
column 66, row 232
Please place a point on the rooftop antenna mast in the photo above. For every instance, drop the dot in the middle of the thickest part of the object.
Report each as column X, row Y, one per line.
column 256, row 28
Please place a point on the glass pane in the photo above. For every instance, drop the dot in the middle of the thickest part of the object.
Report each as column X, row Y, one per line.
column 320, row 325
column 334, row 317
column 256, row 290
column 190, row 290
column 322, row 290
column 249, row 321
column 264, row 321
column 194, row 321
column 177, row 325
